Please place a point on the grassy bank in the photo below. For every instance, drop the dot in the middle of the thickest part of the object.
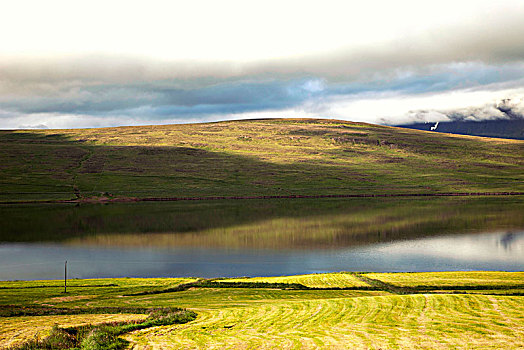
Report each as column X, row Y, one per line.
column 339, row 310
column 249, row 158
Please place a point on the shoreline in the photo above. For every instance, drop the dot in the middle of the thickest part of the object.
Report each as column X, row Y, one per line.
column 212, row 198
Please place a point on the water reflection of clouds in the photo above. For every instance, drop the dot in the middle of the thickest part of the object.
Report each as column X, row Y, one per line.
column 499, row 251
column 503, row 246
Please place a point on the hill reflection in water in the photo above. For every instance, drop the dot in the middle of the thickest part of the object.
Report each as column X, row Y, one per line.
column 257, row 237
column 275, row 224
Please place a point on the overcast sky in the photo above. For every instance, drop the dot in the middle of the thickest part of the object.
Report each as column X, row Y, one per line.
column 106, row 63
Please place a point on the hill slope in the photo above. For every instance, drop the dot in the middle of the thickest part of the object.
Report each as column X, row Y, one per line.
column 255, row 157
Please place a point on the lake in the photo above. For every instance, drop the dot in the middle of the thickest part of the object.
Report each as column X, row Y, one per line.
column 261, row 237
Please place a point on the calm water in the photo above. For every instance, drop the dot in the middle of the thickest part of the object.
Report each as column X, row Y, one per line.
column 261, row 238
column 487, row 251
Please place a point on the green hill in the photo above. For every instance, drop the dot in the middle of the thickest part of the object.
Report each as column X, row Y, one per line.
column 252, row 158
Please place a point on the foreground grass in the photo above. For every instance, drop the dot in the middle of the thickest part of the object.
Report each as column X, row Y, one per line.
column 19, row 330
column 388, row 311
column 386, row 322
column 104, row 336
column 256, row 157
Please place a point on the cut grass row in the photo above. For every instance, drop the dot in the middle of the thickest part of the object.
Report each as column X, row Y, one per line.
column 324, row 280
column 411, row 282
column 452, row 279
column 387, row 322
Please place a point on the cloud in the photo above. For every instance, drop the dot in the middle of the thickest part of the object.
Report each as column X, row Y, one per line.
column 493, row 41
column 364, row 42
column 410, row 97
column 390, row 108
column 67, row 121
column 38, row 126
column 161, row 99
column 335, row 39
column 379, row 61
column 505, row 108
column 188, row 98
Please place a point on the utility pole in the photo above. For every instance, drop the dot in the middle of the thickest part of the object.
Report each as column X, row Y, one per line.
column 65, row 277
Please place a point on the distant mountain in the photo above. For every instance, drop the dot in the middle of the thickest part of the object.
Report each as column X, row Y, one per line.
column 503, row 128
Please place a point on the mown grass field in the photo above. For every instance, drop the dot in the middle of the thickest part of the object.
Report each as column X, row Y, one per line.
column 384, row 322
column 249, row 158
column 17, row 330
column 447, row 279
column 321, row 280
column 352, row 311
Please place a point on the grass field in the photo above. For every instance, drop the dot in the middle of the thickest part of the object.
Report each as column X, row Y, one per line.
column 256, row 157
column 17, row 330
column 384, row 322
column 447, row 279
column 323, row 280
column 369, row 316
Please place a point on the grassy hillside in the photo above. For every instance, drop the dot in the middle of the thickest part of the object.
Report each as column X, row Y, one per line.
column 331, row 311
column 256, row 157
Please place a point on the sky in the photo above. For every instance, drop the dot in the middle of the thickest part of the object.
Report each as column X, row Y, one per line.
column 73, row 64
